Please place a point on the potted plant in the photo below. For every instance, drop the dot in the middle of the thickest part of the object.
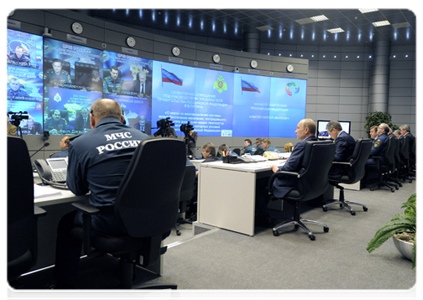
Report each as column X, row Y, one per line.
column 377, row 117
column 402, row 228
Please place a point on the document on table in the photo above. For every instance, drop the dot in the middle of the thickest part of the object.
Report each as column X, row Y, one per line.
column 43, row 191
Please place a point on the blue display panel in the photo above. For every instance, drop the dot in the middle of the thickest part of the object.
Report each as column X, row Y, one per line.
column 202, row 97
column 24, row 49
column 34, row 123
column 24, row 84
column 137, row 111
column 287, row 106
column 72, row 66
column 251, row 105
column 65, row 109
column 127, row 75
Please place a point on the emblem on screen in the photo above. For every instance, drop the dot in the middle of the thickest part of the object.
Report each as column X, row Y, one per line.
column 292, row 88
column 220, row 84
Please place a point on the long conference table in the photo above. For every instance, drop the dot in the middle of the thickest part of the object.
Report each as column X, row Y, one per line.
column 227, row 193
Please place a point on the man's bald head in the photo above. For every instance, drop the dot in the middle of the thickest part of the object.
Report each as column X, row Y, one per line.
column 105, row 108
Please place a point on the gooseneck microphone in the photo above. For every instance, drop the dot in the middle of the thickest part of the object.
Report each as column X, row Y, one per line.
column 43, row 146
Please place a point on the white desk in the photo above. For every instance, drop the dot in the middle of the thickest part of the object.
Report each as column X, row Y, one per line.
column 227, row 194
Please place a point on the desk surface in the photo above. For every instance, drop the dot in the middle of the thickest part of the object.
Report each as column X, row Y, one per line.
column 62, row 196
column 253, row 167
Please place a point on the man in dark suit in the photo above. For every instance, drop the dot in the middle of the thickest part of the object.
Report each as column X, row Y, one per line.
column 344, row 147
column 405, row 131
column 378, row 149
column 141, row 86
column 306, row 130
column 82, row 120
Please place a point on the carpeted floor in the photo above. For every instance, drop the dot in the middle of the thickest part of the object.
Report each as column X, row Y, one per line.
column 225, row 265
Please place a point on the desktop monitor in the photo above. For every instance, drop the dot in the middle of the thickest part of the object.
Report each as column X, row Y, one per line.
column 322, row 132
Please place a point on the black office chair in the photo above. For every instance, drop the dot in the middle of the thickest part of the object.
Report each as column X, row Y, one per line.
column 147, row 203
column 185, row 197
column 353, row 173
column 21, row 212
column 237, row 151
column 405, row 159
column 312, row 181
column 393, row 177
column 384, row 168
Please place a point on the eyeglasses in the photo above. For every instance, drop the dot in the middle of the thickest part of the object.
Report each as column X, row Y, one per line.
column 92, row 112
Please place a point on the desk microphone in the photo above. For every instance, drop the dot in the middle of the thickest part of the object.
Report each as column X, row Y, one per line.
column 45, row 145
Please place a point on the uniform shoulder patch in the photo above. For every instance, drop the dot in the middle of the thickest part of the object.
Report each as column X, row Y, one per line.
column 377, row 143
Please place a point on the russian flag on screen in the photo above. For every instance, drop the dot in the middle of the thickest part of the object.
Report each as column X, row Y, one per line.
column 170, row 77
column 248, row 87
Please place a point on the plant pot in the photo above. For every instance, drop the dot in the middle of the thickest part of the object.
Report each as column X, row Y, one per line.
column 405, row 248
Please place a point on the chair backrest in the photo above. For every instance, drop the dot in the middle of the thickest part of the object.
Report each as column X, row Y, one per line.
column 187, row 188
column 147, row 200
column 405, row 148
column 389, row 154
column 237, row 151
column 358, row 160
column 416, row 146
column 20, row 204
column 317, row 161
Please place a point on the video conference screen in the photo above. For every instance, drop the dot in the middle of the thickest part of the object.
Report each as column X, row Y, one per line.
column 322, row 132
column 64, row 79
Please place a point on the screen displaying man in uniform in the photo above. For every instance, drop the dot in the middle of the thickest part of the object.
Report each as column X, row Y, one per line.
column 15, row 90
column 56, row 76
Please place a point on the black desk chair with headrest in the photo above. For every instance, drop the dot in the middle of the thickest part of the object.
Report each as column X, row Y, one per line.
column 353, row 173
column 147, row 203
column 237, row 151
column 405, row 159
column 312, row 181
column 21, row 212
column 187, row 192
column 384, row 168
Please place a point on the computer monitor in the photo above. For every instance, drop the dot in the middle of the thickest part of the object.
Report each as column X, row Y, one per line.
column 322, row 132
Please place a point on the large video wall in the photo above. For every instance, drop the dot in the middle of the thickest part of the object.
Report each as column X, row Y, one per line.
column 56, row 82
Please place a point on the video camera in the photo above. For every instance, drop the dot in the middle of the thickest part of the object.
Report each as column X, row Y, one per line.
column 164, row 126
column 16, row 117
column 165, row 123
column 186, row 128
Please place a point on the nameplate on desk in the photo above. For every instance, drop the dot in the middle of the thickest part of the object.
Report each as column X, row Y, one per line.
column 129, row 51
column 176, row 60
column 76, row 39
column 14, row 24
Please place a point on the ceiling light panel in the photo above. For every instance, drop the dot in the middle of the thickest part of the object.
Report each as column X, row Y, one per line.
column 367, row 10
column 336, row 30
column 381, row 23
column 319, row 18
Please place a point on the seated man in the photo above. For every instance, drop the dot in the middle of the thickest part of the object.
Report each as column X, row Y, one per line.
column 64, row 145
column 248, row 147
column 344, row 147
column 306, row 130
column 9, row 128
column 405, row 131
column 209, row 152
column 96, row 164
column 378, row 149
column 266, row 144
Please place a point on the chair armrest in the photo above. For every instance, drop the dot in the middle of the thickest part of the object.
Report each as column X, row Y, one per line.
column 38, row 211
column 277, row 175
column 87, row 211
column 346, row 163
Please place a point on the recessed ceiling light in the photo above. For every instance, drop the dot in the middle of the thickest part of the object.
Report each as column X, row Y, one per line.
column 401, row 25
column 367, row 10
column 336, row 30
column 319, row 18
column 304, row 21
column 381, row 23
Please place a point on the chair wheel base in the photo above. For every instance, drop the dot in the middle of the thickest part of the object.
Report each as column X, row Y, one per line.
column 353, row 213
column 312, row 237
column 365, row 208
column 326, row 229
column 275, row 233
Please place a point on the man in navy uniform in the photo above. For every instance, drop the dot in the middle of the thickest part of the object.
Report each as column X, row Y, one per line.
column 112, row 84
column 15, row 90
column 248, row 148
column 56, row 124
column 97, row 162
column 57, row 77
column 19, row 57
column 306, row 130
column 344, row 147
column 378, row 149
